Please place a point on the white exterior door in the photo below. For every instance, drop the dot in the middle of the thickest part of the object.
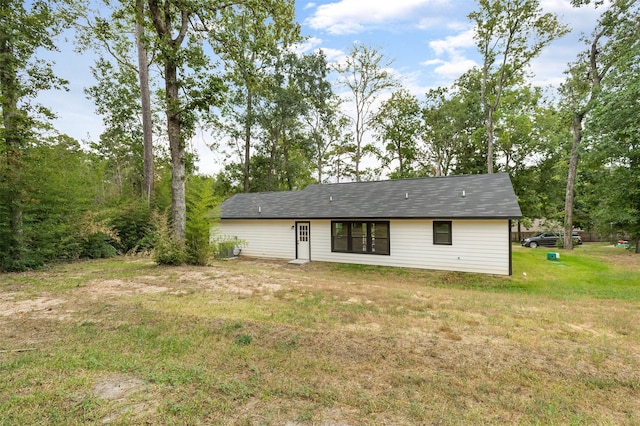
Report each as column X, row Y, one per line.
column 303, row 240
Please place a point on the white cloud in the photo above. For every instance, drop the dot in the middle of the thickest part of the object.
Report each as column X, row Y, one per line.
column 351, row 16
column 452, row 68
column 414, row 83
column 579, row 19
column 309, row 5
column 429, row 22
column 452, row 44
column 451, row 61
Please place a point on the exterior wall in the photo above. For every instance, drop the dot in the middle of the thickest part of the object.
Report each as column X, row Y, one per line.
column 477, row 245
column 263, row 238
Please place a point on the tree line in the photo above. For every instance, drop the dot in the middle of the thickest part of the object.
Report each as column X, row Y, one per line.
column 169, row 69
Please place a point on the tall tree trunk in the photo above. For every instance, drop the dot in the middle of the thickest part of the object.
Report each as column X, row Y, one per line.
column 576, row 128
column 145, row 97
column 401, row 161
column 490, row 138
column 275, row 137
column 358, row 147
column 161, row 17
column 247, row 137
column 519, row 231
column 285, row 152
column 176, row 144
column 319, row 165
column 11, row 118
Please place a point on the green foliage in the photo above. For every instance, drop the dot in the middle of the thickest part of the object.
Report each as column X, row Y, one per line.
column 613, row 152
column 167, row 251
column 200, row 217
column 26, row 29
column 509, row 34
column 399, row 129
column 365, row 73
column 98, row 246
column 54, row 213
column 453, row 129
column 117, row 99
column 132, row 223
column 283, row 161
column 243, row 339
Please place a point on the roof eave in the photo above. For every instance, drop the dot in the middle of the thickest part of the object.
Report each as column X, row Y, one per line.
column 373, row 217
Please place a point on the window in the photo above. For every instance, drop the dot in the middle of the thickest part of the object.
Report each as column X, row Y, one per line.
column 360, row 237
column 442, row 233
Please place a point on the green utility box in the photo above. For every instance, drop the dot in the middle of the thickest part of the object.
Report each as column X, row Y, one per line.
column 553, row 256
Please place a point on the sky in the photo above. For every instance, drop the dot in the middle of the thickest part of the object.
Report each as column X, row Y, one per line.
column 429, row 41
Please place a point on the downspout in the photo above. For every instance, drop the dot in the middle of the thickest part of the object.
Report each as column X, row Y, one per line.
column 510, row 250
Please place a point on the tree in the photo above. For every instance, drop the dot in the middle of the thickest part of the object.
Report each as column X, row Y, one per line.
column 613, row 35
column 163, row 13
column 509, row 34
column 529, row 136
column 247, row 42
column 112, row 35
column 22, row 76
column 117, row 99
column 145, row 102
column 612, row 133
column 453, row 126
column 442, row 131
column 326, row 124
column 297, row 84
column 173, row 21
column 364, row 72
column 327, row 133
column 398, row 125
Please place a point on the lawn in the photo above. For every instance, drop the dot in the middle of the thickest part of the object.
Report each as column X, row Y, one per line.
column 252, row 342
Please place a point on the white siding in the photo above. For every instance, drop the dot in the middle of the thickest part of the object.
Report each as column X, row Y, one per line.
column 478, row 245
column 263, row 238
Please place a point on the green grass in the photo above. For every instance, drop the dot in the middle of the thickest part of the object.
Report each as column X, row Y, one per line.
column 586, row 271
column 252, row 342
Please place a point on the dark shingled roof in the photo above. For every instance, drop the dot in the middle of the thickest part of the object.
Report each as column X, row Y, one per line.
column 488, row 196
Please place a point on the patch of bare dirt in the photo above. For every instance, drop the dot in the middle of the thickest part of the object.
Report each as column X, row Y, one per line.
column 40, row 306
column 119, row 389
column 98, row 288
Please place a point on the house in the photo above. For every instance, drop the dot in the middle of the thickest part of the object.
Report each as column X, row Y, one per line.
column 454, row 223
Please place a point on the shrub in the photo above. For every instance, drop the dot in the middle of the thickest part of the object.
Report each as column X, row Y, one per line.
column 131, row 222
column 98, row 246
column 200, row 217
column 167, row 251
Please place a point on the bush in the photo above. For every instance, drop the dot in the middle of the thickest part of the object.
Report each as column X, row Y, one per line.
column 167, row 251
column 98, row 246
column 200, row 218
column 132, row 223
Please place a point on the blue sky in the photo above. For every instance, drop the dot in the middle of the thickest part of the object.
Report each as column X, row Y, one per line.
column 430, row 41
